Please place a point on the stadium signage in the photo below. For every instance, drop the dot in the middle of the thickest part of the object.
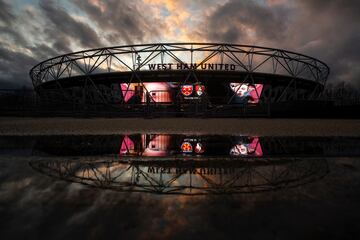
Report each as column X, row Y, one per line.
column 188, row 66
column 190, row 170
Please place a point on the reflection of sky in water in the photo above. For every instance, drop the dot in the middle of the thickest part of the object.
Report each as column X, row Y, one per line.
column 33, row 205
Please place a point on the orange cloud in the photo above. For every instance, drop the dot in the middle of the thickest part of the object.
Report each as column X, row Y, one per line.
column 180, row 20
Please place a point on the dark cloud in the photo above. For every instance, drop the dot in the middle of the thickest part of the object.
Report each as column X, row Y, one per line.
column 13, row 65
column 64, row 26
column 334, row 27
column 9, row 32
column 18, row 56
column 6, row 15
column 7, row 27
column 61, row 41
column 324, row 29
column 14, row 68
column 246, row 21
column 123, row 21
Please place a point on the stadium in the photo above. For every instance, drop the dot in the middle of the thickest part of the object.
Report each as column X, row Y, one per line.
column 180, row 79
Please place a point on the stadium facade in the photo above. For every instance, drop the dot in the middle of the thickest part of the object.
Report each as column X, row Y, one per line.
column 179, row 78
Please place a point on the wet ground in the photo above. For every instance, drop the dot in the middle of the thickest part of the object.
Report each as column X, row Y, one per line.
column 240, row 126
column 179, row 186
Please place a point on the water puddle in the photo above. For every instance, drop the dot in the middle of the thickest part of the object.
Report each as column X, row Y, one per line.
column 183, row 164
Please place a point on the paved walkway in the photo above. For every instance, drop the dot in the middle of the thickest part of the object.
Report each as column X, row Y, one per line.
column 246, row 126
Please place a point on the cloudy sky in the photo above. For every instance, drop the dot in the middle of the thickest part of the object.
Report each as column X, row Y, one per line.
column 34, row 30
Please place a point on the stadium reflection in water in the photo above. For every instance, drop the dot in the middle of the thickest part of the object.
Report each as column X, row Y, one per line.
column 190, row 165
column 187, row 177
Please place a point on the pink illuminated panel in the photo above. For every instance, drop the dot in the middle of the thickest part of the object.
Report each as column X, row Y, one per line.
column 147, row 145
column 251, row 148
column 157, row 146
column 158, row 91
column 247, row 92
column 127, row 146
